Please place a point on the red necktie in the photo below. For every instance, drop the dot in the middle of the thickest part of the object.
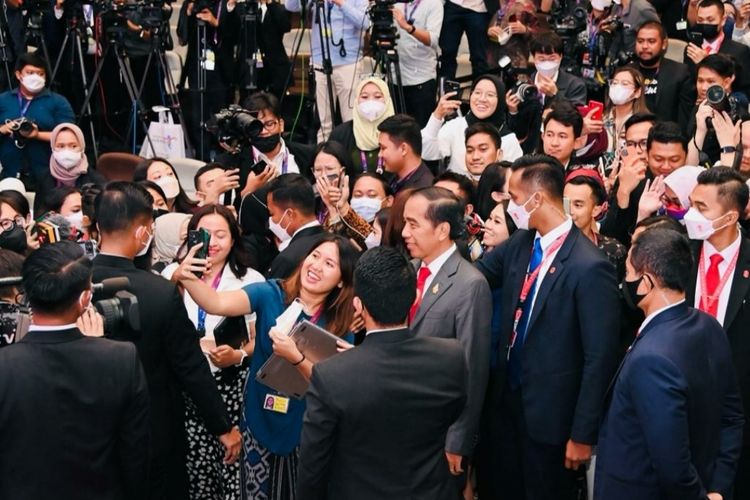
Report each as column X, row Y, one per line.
column 712, row 283
column 422, row 275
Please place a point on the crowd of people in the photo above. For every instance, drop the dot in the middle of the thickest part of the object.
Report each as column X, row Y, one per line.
column 538, row 287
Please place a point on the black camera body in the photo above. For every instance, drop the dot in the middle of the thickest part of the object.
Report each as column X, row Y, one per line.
column 119, row 312
column 569, row 24
column 525, row 91
column 21, row 129
column 235, row 126
column 718, row 99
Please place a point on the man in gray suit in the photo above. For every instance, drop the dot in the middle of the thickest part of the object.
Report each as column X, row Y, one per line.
column 453, row 301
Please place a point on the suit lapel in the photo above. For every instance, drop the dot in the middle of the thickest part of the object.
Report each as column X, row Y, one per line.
column 696, row 247
column 740, row 284
column 440, row 284
column 517, row 273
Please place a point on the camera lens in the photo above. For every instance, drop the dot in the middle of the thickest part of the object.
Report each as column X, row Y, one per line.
column 715, row 94
column 111, row 311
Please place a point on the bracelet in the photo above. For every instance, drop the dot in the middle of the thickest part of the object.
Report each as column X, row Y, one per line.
column 244, row 355
column 300, row 361
column 412, row 30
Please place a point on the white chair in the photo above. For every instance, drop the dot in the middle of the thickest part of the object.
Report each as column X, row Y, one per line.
column 174, row 63
column 291, row 40
column 676, row 50
column 186, row 168
column 463, row 60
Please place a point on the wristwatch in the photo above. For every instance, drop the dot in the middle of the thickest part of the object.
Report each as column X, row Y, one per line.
column 728, row 149
column 413, row 29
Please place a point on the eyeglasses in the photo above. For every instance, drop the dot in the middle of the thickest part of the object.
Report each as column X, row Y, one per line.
column 488, row 95
column 640, row 144
column 10, row 224
column 270, row 124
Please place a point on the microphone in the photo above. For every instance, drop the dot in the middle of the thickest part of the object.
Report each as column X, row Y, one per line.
column 110, row 286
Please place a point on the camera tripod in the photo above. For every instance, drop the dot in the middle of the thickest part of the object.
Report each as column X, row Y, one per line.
column 248, row 50
column 387, row 60
column 6, row 51
column 324, row 30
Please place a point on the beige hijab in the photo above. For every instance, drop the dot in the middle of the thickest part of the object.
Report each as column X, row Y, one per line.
column 366, row 132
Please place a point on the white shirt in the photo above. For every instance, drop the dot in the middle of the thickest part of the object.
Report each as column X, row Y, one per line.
column 51, row 328
column 546, row 241
column 278, row 160
column 380, row 330
column 728, row 254
column 227, row 282
column 435, row 266
column 656, row 313
column 419, row 61
column 440, row 140
column 475, row 5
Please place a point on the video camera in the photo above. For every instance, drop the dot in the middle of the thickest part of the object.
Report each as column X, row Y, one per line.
column 384, row 33
column 235, row 126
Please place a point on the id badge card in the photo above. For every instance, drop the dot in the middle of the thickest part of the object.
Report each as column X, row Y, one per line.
column 586, row 61
column 681, row 25
column 276, row 403
column 258, row 59
column 209, row 60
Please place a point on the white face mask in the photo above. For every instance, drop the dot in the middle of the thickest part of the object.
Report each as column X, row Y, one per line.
column 278, row 230
column 372, row 241
column 170, row 185
column 143, row 250
column 698, row 226
column 371, row 109
column 519, row 214
column 67, row 158
column 33, row 83
column 547, row 68
column 619, row 94
column 366, row 207
column 76, row 219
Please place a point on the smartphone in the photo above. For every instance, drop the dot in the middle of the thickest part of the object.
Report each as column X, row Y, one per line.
column 599, row 107
column 334, row 179
column 696, row 38
column 447, row 86
column 89, row 248
column 199, row 236
column 583, row 110
column 259, row 167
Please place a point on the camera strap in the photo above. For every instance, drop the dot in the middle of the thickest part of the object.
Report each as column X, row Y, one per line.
column 201, row 327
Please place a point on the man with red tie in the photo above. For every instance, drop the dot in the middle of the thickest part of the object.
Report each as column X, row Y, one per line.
column 722, row 284
column 453, row 301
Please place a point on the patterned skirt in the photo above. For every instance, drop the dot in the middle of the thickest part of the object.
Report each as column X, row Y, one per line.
column 266, row 476
column 210, row 478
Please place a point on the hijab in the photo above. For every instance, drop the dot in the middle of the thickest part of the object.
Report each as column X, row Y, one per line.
column 366, row 132
column 168, row 236
column 498, row 117
column 68, row 176
column 682, row 181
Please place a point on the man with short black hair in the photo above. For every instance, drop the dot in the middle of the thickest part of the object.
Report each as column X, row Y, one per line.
column 387, row 441
column 673, row 421
column 212, row 180
column 720, row 282
column 461, row 186
column 483, row 146
column 75, row 409
column 401, row 149
column 291, row 205
column 562, row 317
column 561, row 137
column 547, row 50
column 167, row 341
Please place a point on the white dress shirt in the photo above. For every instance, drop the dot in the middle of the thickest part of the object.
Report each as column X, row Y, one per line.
column 546, row 241
column 419, row 61
column 52, row 328
column 728, row 253
column 435, row 266
column 656, row 313
column 284, row 244
column 278, row 160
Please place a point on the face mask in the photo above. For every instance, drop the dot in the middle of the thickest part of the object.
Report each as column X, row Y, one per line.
column 14, row 240
column 630, row 293
column 366, row 207
column 33, row 83
column 674, row 211
column 709, row 31
column 76, row 219
column 519, row 214
column 170, row 185
column 143, row 251
column 67, row 158
column 158, row 212
column 619, row 94
column 372, row 241
column 547, row 68
column 371, row 109
column 699, row 227
column 279, row 231
column 267, row 144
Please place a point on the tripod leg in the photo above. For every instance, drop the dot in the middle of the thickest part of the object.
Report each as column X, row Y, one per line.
column 129, row 80
column 66, row 39
column 94, row 80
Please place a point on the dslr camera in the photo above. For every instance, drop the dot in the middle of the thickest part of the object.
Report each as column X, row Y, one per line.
column 21, row 129
column 235, row 126
column 718, row 99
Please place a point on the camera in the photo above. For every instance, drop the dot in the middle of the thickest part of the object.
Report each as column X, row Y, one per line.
column 235, row 126
column 119, row 312
column 22, row 128
column 518, row 86
column 525, row 91
column 569, row 24
column 718, row 99
column 384, row 32
column 15, row 320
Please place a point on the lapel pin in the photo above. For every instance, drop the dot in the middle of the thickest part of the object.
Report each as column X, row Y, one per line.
column 746, row 274
column 552, row 270
column 436, row 288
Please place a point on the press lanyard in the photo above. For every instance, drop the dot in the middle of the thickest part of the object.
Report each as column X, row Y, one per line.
column 363, row 162
column 707, row 301
column 397, row 184
column 218, row 20
column 529, row 282
column 201, row 311
column 284, row 162
column 410, row 17
column 21, row 106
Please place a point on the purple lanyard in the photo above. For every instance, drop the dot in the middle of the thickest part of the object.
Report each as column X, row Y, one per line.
column 284, row 162
column 363, row 161
column 202, row 312
column 410, row 17
column 23, row 108
column 218, row 19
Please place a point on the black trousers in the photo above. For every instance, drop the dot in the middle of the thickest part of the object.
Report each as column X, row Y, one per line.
column 420, row 100
column 742, row 481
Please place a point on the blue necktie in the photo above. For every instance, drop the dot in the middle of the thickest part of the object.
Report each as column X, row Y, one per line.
column 516, row 353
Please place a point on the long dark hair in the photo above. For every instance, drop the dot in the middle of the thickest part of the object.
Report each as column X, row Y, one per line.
column 392, row 230
column 239, row 258
column 182, row 203
column 492, row 180
column 16, row 201
column 337, row 308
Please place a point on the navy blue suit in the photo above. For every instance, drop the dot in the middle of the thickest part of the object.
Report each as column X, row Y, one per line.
column 569, row 354
column 673, row 425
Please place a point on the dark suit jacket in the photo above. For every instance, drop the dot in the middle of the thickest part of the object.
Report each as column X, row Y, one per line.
column 620, row 223
column 675, row 95
column 173, row 362
column 741, row 55
column 386, row 442
column 73, row 418
column 736, row 321
column 285, row 263
column 569, row 87
column 422, row 177
column 673, row 425
column 458, row 305
column 570, row 352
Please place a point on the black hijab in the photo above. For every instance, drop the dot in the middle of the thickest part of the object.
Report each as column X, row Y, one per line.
column 498, row 117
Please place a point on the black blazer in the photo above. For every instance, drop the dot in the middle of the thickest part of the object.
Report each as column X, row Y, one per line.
column 73, row 418
column 675, row 94
column 741, row 55
column 173, row 362
column 386, row 442
column 271, row 35
column 620, row 223
column 287, row 261
column 736, row 321
column 569, row 87
column 674, row 419
column 571, row 346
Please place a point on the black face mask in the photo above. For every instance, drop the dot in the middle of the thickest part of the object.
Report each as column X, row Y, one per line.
column 709, row 31
column 14, row 240
column 158, row 212
column 267, row 144
column 630, row 293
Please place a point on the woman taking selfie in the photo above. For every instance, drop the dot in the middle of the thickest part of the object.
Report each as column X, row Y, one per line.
column 323, row 285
